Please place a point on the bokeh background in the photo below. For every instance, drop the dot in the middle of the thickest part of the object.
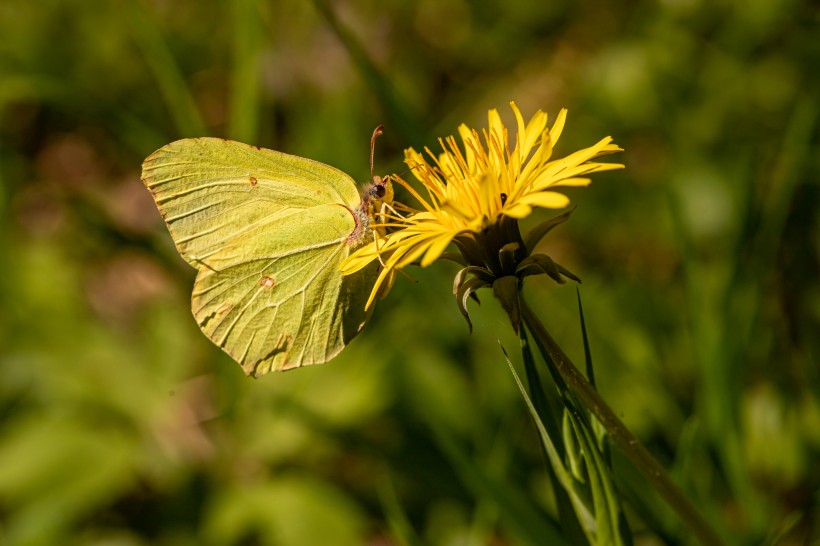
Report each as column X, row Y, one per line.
column 120, row 424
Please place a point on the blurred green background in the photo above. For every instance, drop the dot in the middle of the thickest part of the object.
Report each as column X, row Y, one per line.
column 120, row 424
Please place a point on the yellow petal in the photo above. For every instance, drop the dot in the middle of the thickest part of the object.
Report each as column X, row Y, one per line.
column 545, row 199
column 527, row 136
column 495, row 126
column 489, row 195
column 471, row 144
column 533, row 133
column 359, row 259
column 575, row 159
column 416, row 162
column 518, row 210
column 575, row 182
column 437, row 247
column 536, row 163
column 519, row 119
column 558, row 126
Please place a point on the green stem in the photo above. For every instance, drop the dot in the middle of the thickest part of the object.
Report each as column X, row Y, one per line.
column 621, row 435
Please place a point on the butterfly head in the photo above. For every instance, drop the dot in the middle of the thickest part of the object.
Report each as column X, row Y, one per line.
column 379, row 192
column 377, row 201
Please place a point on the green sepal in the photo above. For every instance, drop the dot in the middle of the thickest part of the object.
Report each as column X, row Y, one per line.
column 538, row 232
column 567, row 273
column 454, row 257
column 540, row 264
column 464, row 291
column 474, row 270
column 507, row 256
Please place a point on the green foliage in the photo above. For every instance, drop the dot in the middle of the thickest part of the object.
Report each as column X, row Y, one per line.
column 122, row 424
column 576, row 458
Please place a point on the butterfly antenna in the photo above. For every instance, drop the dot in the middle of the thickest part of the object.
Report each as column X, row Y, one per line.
column 416, row 166
column 378, row 131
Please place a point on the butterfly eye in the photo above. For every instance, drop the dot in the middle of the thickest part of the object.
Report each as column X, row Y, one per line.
column 377, row 191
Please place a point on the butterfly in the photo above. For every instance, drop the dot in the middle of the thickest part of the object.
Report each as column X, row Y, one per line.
column 267, row 232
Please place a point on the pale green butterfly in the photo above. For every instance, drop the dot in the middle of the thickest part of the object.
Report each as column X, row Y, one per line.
column 268, row 232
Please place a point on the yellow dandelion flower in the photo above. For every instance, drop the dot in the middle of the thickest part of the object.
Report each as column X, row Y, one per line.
column 474, row 194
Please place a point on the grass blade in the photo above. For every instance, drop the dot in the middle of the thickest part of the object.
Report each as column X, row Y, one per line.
column 400, row 116
column 622, row 436
column 172, row 85
column 395, row 515
column 516, row 512
column 566, row 515
column 244, row 100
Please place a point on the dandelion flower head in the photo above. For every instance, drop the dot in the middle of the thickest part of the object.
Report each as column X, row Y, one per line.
column 469, row 190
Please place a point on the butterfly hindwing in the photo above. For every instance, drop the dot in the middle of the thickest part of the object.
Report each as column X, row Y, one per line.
column 280, row 313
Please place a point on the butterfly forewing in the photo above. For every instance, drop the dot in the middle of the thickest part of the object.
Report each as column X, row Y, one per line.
column 211, row 190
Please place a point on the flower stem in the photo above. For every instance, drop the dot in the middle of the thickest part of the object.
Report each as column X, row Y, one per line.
column 621, row 435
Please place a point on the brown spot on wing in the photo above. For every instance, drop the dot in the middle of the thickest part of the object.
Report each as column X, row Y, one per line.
column 267, row 282
column 253, row 181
